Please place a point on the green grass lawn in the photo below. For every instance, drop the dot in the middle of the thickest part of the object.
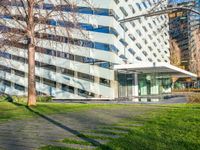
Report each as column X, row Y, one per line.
column 173, row 127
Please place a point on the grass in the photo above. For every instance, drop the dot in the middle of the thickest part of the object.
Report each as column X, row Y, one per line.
column 176, row 128
column 168, row 127
column 50, row 147
column 172, row 127
column 10, row 111
column 74, row 141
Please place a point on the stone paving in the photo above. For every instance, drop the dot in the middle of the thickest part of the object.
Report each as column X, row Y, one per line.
column 90, row 128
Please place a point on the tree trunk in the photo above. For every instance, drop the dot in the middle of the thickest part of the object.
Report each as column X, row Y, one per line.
column 31, row 54
column 31, row 76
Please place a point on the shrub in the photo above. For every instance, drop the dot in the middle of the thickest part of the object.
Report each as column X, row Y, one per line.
column 13, row 98
column 2, row 98
column 19, row 99
column 23, row 99
column 194, row 98
column 44, row 98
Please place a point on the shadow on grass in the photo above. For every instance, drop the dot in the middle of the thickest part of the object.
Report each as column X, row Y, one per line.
column 85, row 138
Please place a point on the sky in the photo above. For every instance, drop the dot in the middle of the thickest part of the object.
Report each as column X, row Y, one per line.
column 178, row 1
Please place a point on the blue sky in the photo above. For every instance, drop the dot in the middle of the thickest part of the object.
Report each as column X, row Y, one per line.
column 178, row 1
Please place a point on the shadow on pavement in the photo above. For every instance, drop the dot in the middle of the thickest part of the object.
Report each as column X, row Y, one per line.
column 64, row 127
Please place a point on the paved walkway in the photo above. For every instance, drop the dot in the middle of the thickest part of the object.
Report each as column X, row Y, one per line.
column 172, row 100
column 89, row 128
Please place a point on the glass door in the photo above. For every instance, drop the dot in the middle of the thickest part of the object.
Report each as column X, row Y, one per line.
column 125, row 85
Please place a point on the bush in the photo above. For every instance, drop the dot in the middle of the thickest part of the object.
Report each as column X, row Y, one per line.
column 2, row 98
column 44, row 98
column 19, row 99
column 13, row 98
column 23, row 99
column 194, row 98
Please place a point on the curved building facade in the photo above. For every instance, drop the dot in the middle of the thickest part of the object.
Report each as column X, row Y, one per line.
column 85, row 67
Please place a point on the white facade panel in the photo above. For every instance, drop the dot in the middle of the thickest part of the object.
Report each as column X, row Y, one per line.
column 91, row 65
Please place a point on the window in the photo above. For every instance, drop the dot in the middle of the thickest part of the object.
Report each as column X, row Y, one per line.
column 138, row 45
column 86, row 76
column 49, row 67
column 145, row 41
column 139, row 33
column 145, row 29
column 124, row 27
column 19, row 73
column 37, row 78
column 132, row 37
column 150, row 48
column 67, row 88
column 145, row 53
column 105, row 82
column 124, row 11
column 150, row 59
column 144, row 5
column 49, row 82
column 150, row 25
column 123, row 42
column 67, row 72
column 85, row 93
column 138, row 58
column 116, row 1
column 7, row 83
column 150, row 37
column 139, row 7
column 154, row 33
column 19, row 87
column 149, row 2
column 132, row 23
column 131, row 8
column 131, row 51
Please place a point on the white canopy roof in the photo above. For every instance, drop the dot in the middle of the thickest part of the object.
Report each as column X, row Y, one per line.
column 155, row 68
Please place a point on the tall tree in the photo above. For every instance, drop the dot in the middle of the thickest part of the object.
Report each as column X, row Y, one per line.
column 175, row 53
column 175, row 57
column 23, row 21
column 194, row 63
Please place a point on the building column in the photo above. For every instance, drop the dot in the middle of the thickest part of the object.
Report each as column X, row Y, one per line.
column 75, row 89
column 114, row 85
column 135, row 88
column 97, row 81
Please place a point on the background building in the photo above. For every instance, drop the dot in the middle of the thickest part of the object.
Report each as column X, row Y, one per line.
column 184, row 26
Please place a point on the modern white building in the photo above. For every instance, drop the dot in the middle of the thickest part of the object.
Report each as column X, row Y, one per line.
column 117, row 60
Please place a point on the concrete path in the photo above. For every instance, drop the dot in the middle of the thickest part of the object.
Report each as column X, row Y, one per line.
column 172, row 100
column 88, row 128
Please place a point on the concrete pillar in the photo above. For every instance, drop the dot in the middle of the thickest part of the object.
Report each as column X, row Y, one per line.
column 75, row 89
column 97, row 80
column 135, row 87
column 114, row 85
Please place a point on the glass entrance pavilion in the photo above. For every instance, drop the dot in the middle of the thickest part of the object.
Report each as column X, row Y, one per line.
column 141, row 82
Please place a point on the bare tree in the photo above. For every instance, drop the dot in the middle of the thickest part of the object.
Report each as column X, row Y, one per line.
column 194, row 63
column 22, row 22
column 175, row 53
column 175, row 56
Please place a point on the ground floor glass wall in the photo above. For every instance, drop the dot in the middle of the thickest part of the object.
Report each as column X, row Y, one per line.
column 151, row 84
column 125, row 84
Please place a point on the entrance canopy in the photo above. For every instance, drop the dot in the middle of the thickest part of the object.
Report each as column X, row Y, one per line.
column 164, row 68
